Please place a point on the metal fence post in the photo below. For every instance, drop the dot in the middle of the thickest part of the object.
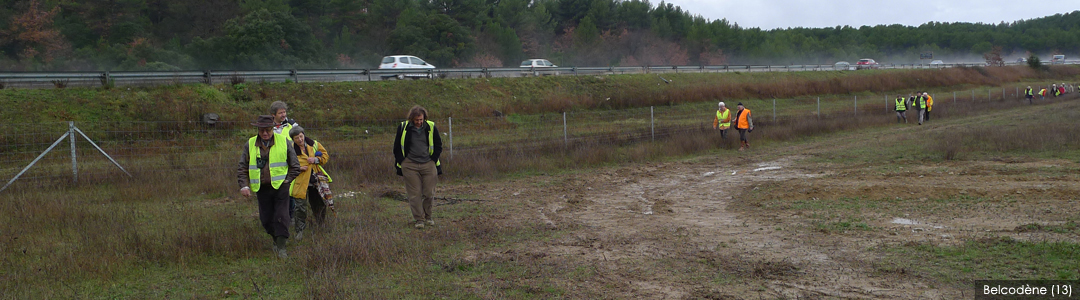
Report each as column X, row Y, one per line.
column 856, row 105
column 209, row 77
column 74, row 165
column 566, row 139
column 819, row 107
column 954, row 97
column 450, row 124
column 295, row 77
column 652, row 123
column 886, row 104
column 774, row 110
column 972, row 96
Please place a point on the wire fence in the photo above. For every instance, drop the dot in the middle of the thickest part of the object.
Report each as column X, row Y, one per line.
column 148, row 148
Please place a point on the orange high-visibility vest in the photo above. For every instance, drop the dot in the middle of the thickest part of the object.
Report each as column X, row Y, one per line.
column 741, row 121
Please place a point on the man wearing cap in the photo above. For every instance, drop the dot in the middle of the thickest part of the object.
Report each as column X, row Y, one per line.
column 722, row 120
column 267, row 168
column 1029, row 94
column 743, row 123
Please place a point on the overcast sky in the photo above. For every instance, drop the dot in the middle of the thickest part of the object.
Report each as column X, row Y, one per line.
column 771, row 14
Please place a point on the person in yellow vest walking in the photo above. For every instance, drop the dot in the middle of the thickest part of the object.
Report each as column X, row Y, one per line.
column 1042, row 94
column 1029, row 94
column 417, row 147
column 920, row 105
column 901, row 108
column 722, row 121
column 743, row 123
column 267, row 168
column 311, row 189
column 929, row 104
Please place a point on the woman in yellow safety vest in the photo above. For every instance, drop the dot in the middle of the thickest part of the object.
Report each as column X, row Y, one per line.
column 311, row 189
column 723, row 120
column 901, row 108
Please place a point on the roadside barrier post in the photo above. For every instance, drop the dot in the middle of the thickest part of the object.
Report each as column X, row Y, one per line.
column 652, row 123
column 450, row 123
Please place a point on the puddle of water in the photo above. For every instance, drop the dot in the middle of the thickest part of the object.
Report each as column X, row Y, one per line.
column 903, row 221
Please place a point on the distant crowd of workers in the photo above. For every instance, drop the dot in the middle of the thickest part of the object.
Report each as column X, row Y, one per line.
column 283, row 168
column 1055, row 90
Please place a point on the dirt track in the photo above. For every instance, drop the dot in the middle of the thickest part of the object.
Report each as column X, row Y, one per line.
column 640, row 226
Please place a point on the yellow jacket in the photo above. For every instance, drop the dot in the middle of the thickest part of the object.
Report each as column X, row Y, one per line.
column 300, row 184
column 929, row 103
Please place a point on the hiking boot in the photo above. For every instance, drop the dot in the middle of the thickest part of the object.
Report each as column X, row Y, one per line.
column 430, row 222
column 419, row 225
column 279, row 247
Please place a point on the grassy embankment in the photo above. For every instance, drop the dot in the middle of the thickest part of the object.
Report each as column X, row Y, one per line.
column 183, row 234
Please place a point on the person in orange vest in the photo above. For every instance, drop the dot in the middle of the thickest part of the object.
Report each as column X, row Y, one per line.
column 722, row 120
column 744, row 123
column 929, row 104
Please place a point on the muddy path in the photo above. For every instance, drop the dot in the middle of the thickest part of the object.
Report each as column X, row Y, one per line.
column 634, row 225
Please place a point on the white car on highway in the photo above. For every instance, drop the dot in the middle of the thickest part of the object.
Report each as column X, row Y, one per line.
column 405, row 62
column 538, row 67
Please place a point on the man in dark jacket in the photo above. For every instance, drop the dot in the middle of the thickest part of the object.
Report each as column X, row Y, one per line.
column 267, row 168
column 417, row 147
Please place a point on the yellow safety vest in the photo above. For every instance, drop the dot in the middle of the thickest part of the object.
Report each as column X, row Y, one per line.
column 1028, row 92
column 901, row 104
column 278, row 163
column 430, row 140
column 721, row 116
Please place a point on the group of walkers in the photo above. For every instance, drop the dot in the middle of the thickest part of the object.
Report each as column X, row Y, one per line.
column 284, row 169
column 744, row 123
column 921, row 102
column 1055, row 90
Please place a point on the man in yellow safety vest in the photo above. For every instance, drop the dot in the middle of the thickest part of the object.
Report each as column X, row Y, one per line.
column 267, row 168
column 901, row 108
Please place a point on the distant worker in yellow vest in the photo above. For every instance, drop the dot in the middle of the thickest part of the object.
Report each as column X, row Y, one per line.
column 929, row 104
column 267, row 168
column 901, row 108
column 743, row 123
column 722, row 121
column 1042, row 94
column 1029, row 94
column 920, row 106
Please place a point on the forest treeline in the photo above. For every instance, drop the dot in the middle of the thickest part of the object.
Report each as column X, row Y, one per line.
column 56, row 35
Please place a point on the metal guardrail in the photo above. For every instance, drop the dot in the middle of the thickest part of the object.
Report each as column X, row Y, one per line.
column 131, row 78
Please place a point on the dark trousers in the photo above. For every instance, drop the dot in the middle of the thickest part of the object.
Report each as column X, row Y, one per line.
column 742, row 135
column 274, row 209
column 927, row 113
column 723, row 134
column 314, row 206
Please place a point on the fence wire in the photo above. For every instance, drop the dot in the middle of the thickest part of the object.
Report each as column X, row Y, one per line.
column 149, row 148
